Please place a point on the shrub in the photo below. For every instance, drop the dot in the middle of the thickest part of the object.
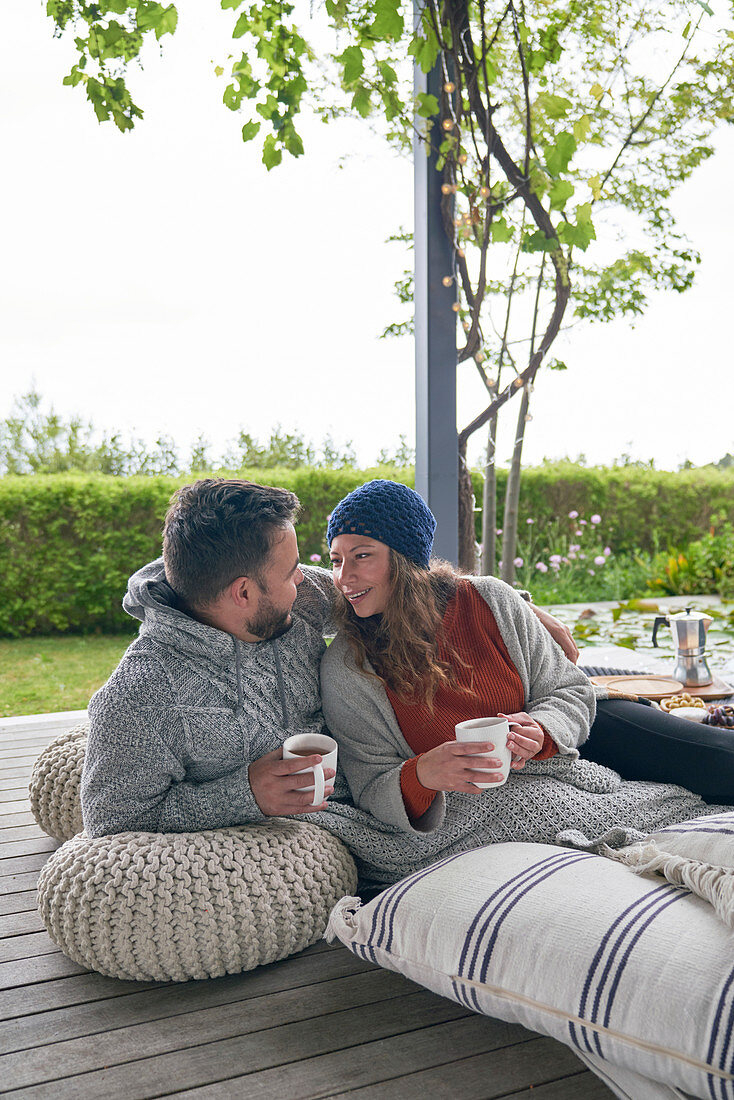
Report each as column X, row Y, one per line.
column 705, row 565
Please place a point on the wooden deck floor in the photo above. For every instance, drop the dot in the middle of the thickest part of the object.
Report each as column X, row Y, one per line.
column 320, row 1024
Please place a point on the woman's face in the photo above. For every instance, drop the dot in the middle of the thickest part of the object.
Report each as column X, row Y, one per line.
column 362, row 572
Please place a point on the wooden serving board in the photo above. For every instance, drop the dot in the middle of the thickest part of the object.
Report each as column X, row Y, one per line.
column 660, row 687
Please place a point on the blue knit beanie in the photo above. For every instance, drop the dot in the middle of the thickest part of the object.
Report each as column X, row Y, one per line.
column 388, row 512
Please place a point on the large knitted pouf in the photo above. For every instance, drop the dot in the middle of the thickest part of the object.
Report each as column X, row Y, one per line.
column 55, row 783
column 174, row 906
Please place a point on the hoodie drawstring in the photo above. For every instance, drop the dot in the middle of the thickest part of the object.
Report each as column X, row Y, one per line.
column 240, row 708
column 281, row 688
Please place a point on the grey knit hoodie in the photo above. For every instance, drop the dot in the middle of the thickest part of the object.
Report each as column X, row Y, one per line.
column 189, row 707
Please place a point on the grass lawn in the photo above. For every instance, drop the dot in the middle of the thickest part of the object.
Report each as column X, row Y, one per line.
column 40, row 675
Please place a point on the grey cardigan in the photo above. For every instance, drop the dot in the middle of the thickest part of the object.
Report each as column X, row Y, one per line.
column 372, row 747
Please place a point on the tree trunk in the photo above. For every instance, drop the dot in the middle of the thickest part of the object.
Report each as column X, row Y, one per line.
column 467, row 537
column 489, row 505
column 512, row 495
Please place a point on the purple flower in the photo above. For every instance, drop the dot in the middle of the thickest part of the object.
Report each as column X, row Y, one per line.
column 517, row 562
column 571, row 555
column 530, row 521
column 590, row 572
column 607, row 551
column 498, row 531
column 572, row 515
column 582, row 557
column 596, row 519
column 555, row 566
column 600, row 560
column 314, row 557
column 554, row 559
column 541, row 566
column 582, row 522
column 573, row 548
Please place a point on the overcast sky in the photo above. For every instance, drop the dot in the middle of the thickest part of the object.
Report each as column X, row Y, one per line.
column 163, row 281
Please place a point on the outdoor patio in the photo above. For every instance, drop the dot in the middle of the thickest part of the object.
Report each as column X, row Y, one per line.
column 320, row 1024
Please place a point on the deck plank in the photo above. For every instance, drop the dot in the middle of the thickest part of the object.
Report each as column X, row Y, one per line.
column 13, row 805
column 23, row 772
column 199, row 1028
column 41, row 844
column 582, row 1086
column 479, row 1077
column 275, row 1047
column 20, row 924
column 14, row 884
column 22, row 832
column 372, row 1060
column 136, row 1003
column 26, row 946
column 11, row 866
column 18, row 903
column 23, row 972
column 9, row 821
column 14, row 783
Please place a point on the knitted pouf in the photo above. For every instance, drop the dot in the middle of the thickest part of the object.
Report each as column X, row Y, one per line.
column 55, row 783
column 174, row 906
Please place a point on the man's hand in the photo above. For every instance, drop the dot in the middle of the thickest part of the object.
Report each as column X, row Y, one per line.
column 525, row 739
column 278, row 790
column 558, row 632
column 452, row 767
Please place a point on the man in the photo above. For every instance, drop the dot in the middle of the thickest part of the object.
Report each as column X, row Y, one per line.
column 187, row 733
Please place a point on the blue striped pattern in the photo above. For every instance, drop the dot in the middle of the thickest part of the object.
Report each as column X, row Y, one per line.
column 610, row 961
column 719, row 1053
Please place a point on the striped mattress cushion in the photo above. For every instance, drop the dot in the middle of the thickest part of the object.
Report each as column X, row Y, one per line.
column 633, row 973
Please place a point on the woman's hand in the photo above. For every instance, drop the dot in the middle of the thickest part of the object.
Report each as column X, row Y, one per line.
column 452, row 766
column 525, row 739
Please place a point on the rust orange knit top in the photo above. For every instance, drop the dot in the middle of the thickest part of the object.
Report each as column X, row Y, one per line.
column 470, row 629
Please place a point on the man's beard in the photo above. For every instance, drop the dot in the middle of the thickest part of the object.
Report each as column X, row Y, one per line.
column 269, row 622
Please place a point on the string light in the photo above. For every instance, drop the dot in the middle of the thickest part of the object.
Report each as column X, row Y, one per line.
column 458, row 222
column 479, row 357
column 466, row 325
column 447, row 280
column 484, row 192
column 449, row 87
column 517, row 382
column 491, row 382
column 448, row 124
column 528, row 416
column 462, row 158
column 456, row 307
column 448, row 188
column 460, row 253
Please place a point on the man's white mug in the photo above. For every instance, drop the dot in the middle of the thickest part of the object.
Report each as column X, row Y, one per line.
column 494, row 730
column 310, row 744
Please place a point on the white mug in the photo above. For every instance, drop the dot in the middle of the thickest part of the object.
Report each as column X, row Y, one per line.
column 494, row 730
column 309, row 744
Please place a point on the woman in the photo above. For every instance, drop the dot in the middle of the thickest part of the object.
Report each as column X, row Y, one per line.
column 419, row 649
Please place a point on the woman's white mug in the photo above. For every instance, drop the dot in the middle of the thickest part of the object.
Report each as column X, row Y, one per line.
column 311, row 744
column 494, row 730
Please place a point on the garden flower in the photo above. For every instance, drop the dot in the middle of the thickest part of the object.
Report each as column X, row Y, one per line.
column 541, row 566
column 596, row 519
column 517, row 562
column 571, row 555
column 315, row 557
column 582, row 557
column 573, row 549
column 590, row 572
column 554, row 559
column 530, row 521
column 578, row 534
column 555, row 565
column 572, row 515
column 498, row 531
column 607, row 551
column 600, row 560
column 582, row 521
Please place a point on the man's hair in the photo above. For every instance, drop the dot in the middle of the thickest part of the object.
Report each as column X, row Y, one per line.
column 219, row 529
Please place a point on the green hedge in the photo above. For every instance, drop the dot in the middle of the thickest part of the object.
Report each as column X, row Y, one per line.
column 69, row 542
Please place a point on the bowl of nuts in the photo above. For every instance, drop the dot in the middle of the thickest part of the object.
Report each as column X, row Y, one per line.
column 685, row 705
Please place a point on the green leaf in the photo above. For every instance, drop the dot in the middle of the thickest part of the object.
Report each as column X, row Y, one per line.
column 361, row 102
column 556, row 364
column 555, row 106
column 560, row 193
column 242, row 26
column 218, row 70
column 558, row 155
column 250, row 129
column 272, row 155
column 597, row 91
column 500, row 231
column 583, row 232
column 424, row 50
column 427, row 105
column 352, row 62
column 594, row 183
column 167, row 22
column 388, row 21
column 387, row 73
column 538, row 242
column 705, row 6
column 581, row 128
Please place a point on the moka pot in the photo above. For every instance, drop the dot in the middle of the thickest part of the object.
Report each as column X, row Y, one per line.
column 689, row 637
